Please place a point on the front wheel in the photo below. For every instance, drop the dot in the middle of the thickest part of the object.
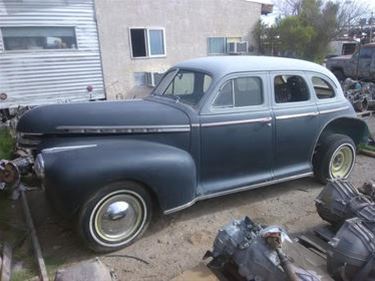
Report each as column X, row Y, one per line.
column 115, row 216
column 335, row 158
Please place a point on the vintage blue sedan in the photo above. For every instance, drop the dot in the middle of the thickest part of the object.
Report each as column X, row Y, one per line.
column 212, row 126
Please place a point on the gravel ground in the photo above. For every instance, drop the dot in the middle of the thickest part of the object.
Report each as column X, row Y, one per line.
column 177, row 242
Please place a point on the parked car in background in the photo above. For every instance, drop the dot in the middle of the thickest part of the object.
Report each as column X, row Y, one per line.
column 342, row 48
column 212, row 126
column 360, row 65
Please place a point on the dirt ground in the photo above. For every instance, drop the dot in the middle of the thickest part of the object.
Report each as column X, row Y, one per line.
column 177, row 242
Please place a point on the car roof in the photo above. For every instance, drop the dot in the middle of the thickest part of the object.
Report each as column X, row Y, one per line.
column 222, row 65
column 370, row 45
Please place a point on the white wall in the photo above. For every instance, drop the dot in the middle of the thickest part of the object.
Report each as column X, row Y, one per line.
column 187, row 23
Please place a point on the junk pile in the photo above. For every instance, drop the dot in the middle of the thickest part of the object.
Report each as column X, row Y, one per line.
column 351, row 252
column 246, row 251
column 360, row 94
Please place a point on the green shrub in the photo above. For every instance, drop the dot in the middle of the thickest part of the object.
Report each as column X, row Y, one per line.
column 7, row 144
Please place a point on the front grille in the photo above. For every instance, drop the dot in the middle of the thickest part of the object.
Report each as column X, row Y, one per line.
column 28, row 140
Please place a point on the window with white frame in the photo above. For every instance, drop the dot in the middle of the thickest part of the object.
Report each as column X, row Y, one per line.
column 226, row 45
column 217, row 45
column 147, row 42
column 38, row 38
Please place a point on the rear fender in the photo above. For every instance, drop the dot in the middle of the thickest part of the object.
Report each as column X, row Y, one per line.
column 353, row 127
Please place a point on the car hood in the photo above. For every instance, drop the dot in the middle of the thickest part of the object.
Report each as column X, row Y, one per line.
column 340, row 58
column 106, row 116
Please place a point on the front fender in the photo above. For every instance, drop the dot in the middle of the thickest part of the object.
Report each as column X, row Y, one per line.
column 72, row 175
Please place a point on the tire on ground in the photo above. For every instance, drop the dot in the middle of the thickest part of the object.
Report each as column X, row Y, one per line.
column 328, row 147
column 112, row 207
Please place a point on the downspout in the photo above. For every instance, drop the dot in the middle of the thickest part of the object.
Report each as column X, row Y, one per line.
column 100, row 48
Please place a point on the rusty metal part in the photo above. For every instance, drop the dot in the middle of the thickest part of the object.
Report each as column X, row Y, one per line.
column 274, row 240
column 11, row 171
column 368, row 188
column 9, row 175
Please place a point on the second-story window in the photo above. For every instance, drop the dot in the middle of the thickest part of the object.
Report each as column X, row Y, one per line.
column 147, row 42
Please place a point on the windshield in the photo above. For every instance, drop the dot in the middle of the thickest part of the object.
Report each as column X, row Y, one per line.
column 185, row 86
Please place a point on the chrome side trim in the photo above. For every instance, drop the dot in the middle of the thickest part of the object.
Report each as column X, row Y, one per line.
column 65, row 148
column 124, row 129
column 235, row 190
column 334, row 110
column 291, row 116
column 236, row 122
column 195, row 125
column 30, row 134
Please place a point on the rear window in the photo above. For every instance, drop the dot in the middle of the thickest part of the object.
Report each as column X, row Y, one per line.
column 322, row 88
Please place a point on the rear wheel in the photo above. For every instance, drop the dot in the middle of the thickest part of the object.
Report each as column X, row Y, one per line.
column 115, row 216
column 335, row 158
column 339, row 74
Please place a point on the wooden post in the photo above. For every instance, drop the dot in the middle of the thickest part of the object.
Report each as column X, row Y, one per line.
column 34, row 239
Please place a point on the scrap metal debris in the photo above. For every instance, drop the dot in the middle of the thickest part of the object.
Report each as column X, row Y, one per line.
column 360, row 94
column 250, row 251
column 246, row 251
column 351, row 252
column 340, row 200
column 351, row 255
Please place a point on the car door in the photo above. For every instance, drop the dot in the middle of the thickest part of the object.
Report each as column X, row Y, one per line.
column 295, row 113
column 365, row 62
column 236, row 134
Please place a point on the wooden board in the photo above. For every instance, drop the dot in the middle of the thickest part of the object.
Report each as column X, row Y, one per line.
column 198, row 273
column 6, row 263
column 364, row 114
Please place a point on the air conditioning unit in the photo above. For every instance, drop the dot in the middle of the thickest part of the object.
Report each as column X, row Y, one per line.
column 153, row 78
column 237, row 47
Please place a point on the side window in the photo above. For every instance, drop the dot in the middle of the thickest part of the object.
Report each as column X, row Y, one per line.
column 239, row 92
column 290, row 88
column 323, row 89
column 366, row 53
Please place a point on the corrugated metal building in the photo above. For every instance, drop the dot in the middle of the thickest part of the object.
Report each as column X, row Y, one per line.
column 49, row 52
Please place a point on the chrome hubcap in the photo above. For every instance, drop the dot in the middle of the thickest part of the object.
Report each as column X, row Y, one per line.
column 119, row 217
column 342, row 162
